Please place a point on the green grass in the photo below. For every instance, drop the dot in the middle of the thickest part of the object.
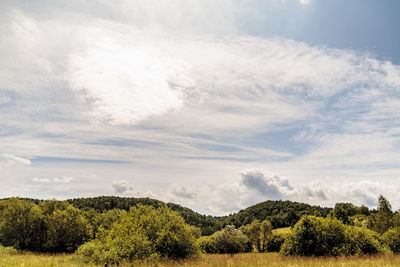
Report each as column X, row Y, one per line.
column 11, row 258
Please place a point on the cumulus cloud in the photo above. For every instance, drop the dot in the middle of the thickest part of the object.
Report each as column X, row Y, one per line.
column 256, row 185
column 122, row 187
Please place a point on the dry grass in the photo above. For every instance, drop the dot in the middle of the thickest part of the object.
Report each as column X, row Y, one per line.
column 281, row 230
column 248, row 259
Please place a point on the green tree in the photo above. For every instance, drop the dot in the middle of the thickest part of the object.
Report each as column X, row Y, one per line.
column 382, row 220
column 265, row 234
column 253, row 232
column 392, row 239
column 231, row 240
column 21, row 224
column 66, row 228
column 343, row 212
column 142, row 233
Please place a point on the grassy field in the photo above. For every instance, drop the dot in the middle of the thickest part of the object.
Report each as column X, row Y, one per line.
column 281, row 230
column 248, row 259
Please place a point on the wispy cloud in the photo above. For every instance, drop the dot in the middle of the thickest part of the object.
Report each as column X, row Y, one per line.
column 187, row 101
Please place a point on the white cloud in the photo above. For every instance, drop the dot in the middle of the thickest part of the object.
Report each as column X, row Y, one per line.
column 188, row 99
column 7, row 160
column 121, row 187
column 305, row 2
column 256, row 186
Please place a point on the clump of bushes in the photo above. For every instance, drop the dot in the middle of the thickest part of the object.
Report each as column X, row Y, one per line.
column 229, row 240
column 315, row 236
column 276, row 242
column 51, row 226
column 144, row 232
column 392, row 239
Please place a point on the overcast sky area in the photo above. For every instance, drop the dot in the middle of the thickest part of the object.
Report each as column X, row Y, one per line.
column 214, row 105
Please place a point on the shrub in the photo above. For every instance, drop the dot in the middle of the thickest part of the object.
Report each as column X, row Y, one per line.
column 313, row 236
column 21, row 224
column 52, row 226
column 231, row 240
column 66, row 229
column 391, row 238
column 276, row 242
column 207, row 244
column 362, row 241
column 144, row 232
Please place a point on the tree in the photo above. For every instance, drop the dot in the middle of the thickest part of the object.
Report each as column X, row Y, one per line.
column 382, row 220
column 313, row 236
column 142, row 233
column 21, row 224
column 265, row 234
column 231, row 240
column 66, row 229
column 253, row 232
column 343, row 212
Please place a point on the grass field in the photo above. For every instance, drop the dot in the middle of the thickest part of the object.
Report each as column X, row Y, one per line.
column 281, row 230
column 248, row 259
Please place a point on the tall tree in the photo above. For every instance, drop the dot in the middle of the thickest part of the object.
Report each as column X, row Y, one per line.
column 265, row 234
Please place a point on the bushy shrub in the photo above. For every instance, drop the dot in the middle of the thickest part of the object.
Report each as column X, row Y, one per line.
column 231, row 240
column 207, row 244
column 51, row 226
column 314, row 236
column 391, row 238
column 142, row 233
column 362, row 241
column 66, row 229
column 276, row 242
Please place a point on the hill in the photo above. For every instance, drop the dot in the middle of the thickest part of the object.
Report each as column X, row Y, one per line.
column 280, row 213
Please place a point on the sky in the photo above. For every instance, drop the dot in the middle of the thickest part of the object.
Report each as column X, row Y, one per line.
column 214, row 105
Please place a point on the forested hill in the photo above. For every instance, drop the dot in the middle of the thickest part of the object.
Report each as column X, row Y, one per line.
column 279, row 213
column 207, row 224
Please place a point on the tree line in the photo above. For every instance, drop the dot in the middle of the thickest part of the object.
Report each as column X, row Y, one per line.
column 112, row 229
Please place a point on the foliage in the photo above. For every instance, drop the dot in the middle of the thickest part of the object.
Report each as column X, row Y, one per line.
column 392, row 239
column 207, row 244
column 276, row 241
column 279, row 213
column 314, row 236
column 258, row 233
column 265, row 234
column 231, row 240
column 343, row 212
column 142, row 233
column 51, row 226
column 382, row 220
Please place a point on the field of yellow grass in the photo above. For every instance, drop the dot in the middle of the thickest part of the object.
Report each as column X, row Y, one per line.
column 247, row 259
column 281, row 230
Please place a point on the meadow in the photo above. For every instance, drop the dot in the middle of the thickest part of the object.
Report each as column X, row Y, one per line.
column 244, row 259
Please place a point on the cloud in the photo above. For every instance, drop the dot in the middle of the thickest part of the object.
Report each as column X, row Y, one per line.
column 8, row 160
column 269, row 185
column 62, row 179
column 189, row 100
column 256, row 186
column 305, row 2
column 122, row 187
